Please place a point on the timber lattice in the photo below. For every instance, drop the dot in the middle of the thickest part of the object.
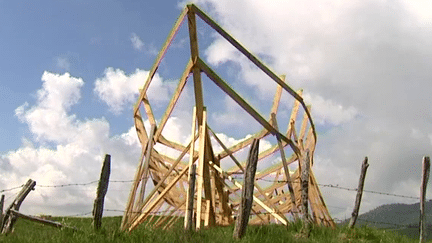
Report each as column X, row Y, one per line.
column 217, row 194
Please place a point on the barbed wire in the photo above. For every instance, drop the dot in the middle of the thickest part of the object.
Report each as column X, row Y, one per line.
column 11, row 189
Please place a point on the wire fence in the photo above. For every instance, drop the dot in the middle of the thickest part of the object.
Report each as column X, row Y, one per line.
column 14, row 192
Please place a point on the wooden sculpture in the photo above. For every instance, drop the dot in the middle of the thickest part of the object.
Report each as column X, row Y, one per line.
column 217, row 194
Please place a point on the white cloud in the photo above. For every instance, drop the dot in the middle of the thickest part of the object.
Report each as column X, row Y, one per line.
column 118, row 90
column 63, row 63
column 362, row 65
column 74, row 156
column 327, row 112
column 137, row 43
column 48, row 119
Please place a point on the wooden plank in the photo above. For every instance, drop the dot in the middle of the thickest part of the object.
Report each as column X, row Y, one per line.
column 102, row 189
column 257, row 200
column 160, row 56
column 190, row 200
column 149, row 111
column 423, row 187
column 128, row 214
column 277, row 97
column 243, row 144
column 286, row 169
column 165, row 176
column 42, row 221
column 10, row 219
column 145, row 173
column 239, row 100
column 201, row 161
column 293, row 117
column 173, row 100
column 210, row 221
column 140, row 128
column 247, row 191
column 192, row 173
column 149, row 207
column 356, row 209
column 193, row 38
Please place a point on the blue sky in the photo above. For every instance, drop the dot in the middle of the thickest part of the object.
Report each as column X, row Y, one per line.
column 79, row 37
column 70, row 73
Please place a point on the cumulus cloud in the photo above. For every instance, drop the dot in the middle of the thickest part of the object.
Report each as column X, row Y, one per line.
column 118, row 89
column 73, row 154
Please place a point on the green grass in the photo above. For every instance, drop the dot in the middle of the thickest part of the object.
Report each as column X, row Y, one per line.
column 26, row 231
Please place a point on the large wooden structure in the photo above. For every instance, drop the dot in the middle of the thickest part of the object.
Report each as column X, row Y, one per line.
column 277, row 196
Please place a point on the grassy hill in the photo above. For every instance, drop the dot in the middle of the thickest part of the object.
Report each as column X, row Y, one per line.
column 26, row 231
column 401, row 218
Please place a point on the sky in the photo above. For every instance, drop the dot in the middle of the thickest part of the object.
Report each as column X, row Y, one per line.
column 70, row 72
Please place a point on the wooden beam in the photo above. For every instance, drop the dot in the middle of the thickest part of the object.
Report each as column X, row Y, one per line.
column 237, row 98
column 159, row 58
column 192, row 173
column 425, row 178
column 145, row 172
column 201, row 161
column 257, row 200
column 174, row 100
column 286, row 169
column 193, row 38
column 277, row 97
column 149, row 207
column 251, row 57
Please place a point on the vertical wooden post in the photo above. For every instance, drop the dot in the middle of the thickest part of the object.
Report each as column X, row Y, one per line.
column 9, row 218
column 200, row 168
column 101, row 192
column 354, row 214
column 247, row 191
column 425, row 178
column 1, row 209
column 190, row 194
column 190, row 199
column 305, row 185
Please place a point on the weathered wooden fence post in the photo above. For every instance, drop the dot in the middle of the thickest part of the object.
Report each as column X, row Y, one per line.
column 1, row 210
column 425, row 178
column 9, row 218
column 247, row 192
column 190, row 202
column 356, row 209
column 305, row 185
column 101, row 192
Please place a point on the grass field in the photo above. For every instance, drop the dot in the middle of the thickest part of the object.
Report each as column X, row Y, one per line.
column 26, row 231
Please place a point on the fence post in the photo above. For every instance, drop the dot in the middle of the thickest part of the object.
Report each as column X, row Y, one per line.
column 247, row 192
column 354, row 214
column 9, row 218
column 101, row 192
column 425, row 178
column 305, row 186
column 1, row 210
column 190, row 202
